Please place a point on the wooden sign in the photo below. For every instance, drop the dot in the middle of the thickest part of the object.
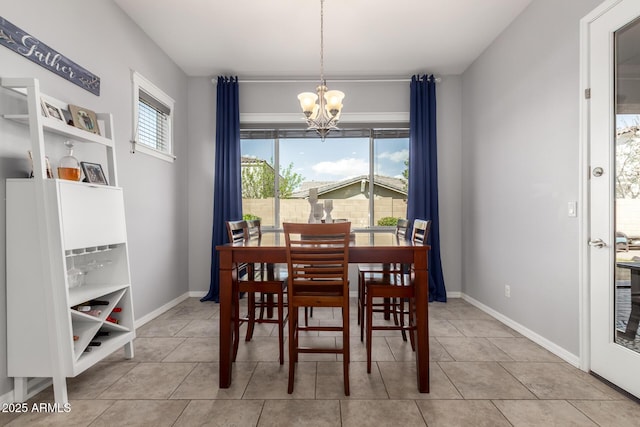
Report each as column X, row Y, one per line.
column 33, row 49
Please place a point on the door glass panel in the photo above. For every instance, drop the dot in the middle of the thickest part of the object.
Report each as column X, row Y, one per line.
column 627, row 186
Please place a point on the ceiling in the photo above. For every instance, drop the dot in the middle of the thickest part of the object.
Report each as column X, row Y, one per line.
column 362, row 38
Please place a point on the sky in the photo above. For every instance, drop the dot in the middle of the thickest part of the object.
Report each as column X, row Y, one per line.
column 333, row 159
column 627, row 120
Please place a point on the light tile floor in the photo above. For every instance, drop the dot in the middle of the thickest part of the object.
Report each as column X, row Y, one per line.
column 482, row 374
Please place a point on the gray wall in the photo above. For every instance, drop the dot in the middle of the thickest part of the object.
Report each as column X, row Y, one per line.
column 105, row 41
column 520, row 169
column 375, row 100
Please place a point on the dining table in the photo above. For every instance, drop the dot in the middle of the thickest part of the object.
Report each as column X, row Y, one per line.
column 366, row 246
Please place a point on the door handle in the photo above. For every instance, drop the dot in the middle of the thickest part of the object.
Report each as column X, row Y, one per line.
column 597, row 243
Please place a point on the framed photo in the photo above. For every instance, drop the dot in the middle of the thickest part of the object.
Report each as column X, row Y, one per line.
column 84, row 118
column 46, row 162
column 67, row 117
column 93, row 173
column 52, row 111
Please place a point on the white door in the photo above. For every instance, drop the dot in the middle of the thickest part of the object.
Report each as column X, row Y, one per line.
column 614, row 189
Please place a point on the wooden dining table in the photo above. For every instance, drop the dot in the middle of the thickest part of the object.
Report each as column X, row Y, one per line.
column 365, row 247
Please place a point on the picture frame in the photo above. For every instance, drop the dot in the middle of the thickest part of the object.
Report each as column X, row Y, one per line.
column 93, row 173
column 84, row 119
column 52, row 111
column 67, row 117
column 46, row 162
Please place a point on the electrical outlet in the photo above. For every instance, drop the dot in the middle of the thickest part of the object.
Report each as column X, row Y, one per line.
column 507, row 291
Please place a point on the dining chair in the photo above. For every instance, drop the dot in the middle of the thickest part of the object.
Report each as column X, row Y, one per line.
column 269, row 271
column 391, row 269
column 252, row 279
column 398, row 288
column 317, row 261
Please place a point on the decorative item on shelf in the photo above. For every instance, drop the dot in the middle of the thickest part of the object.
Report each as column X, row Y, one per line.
column 69, row 166
column 324, row 115
column 48, row 165
column 93, row 173
column 97, row 302
column 46, row 162
column 75, row 276
column 85, row 119
column 112, row 320
column 67, row 117
column 95, row 313
column 52, row 111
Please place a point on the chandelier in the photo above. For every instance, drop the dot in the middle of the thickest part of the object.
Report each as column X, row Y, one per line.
column 322, row 110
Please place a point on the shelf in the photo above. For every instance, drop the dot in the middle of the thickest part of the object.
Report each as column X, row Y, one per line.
column 56, row 126
column 77, row 225
column 86, row 293
column 85, row 329
column 109, row 344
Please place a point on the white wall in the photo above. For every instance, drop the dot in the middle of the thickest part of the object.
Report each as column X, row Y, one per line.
column 520, row 169
column 376, row 100
column 103, row 40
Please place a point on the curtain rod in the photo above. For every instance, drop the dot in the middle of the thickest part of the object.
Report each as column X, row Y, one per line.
column 437, row 79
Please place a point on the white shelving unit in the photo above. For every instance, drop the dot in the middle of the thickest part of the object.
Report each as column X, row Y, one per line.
column 55, row 228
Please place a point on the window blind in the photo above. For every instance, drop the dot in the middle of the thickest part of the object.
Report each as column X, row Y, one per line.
column 153, row 122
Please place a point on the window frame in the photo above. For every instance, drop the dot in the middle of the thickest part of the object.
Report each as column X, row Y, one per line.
column 277, row 133
column 140, row 83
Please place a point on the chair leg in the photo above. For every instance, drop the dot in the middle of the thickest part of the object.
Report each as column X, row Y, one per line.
column 345, row 347
column 369, row 330
column 235, row 316
column 251, row 305
column 262, row 304
column 281, row 327
column 361, row 304
column 293, row 323
column 411, row 324
column 400, row 309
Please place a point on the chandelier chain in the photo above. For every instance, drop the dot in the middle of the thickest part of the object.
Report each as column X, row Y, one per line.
column 322, row 42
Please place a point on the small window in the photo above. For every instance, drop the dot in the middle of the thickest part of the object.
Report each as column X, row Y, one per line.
column 152, row 119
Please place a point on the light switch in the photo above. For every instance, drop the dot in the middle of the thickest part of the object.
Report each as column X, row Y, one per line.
column 573, row 209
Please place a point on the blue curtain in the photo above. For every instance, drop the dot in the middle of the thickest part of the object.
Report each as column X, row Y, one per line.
column 227, row 191
column 422, row 200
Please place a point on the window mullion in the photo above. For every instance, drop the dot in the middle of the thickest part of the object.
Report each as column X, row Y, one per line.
column 276, row 191
column 371, row 175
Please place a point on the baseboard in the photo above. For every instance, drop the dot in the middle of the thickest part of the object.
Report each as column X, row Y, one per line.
column 160, row 310
column 538, row 339
column 454, row 294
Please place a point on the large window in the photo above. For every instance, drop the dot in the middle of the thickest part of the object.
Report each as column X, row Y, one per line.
column 338, row 172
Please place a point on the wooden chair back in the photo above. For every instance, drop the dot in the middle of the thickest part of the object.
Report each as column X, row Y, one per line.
column 420, row 231
column 317, row 260
column 401, row 227
column 254, row 229
column 237, row 231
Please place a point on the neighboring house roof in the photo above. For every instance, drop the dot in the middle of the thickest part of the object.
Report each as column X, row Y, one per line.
column 248, row 162
column 391, row 183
